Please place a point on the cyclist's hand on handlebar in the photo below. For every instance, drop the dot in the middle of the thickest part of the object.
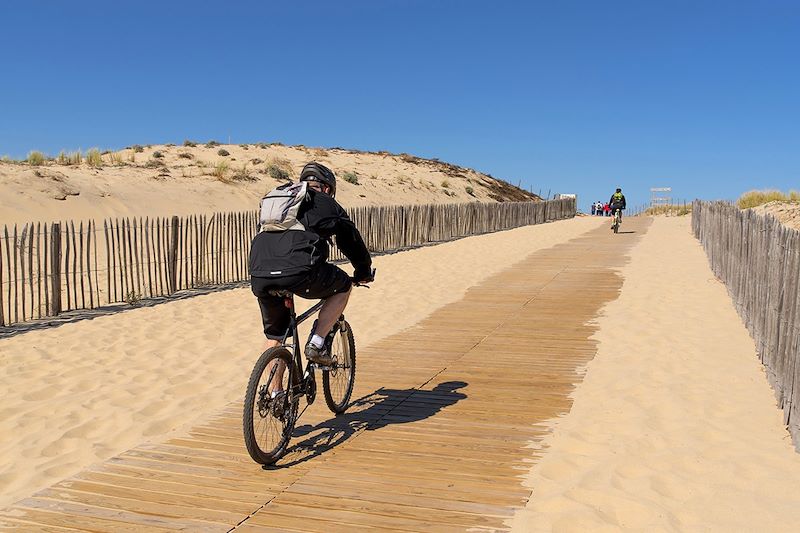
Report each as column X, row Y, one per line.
column 362, row 278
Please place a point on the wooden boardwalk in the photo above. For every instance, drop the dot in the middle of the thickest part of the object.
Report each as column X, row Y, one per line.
column 447, row 423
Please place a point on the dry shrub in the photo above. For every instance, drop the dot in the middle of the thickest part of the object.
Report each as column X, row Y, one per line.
column 350, row 177
column 242, row 174
column 280, row 169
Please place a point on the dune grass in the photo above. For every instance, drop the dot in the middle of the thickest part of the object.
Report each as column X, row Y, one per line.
column 94, row 158
column 756, row 198
column 116, row 159
column 221, row 170
column 36, row 158
column 675, row 210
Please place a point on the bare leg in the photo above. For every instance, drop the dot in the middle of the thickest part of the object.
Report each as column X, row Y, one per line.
column 331, row 310
column 277, row 379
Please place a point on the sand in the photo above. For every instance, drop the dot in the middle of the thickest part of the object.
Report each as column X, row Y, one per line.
column 187, row 185
column 787, row 212
column 674, row 427
column 84, row 392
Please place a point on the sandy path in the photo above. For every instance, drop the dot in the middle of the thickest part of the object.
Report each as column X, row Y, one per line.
column 674, row 426
column 86, row 391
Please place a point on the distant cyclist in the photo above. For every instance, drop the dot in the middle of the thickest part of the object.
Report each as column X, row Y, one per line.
column 617, row 201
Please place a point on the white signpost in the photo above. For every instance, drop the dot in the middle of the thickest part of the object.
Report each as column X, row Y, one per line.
column 660, row 196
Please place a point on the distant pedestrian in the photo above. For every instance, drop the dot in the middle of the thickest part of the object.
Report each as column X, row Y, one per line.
column 607, row 210
column 594, row 208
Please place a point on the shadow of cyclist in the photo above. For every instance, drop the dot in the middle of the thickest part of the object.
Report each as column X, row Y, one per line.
column 374, row 411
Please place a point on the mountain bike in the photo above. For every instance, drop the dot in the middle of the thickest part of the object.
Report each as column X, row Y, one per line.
column 617, row 220
column 278, row 382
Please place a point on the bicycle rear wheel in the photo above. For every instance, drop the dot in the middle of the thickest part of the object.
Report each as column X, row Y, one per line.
column 270, row 410
column 338, row 381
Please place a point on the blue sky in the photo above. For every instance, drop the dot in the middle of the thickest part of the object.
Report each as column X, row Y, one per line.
column 703, row 96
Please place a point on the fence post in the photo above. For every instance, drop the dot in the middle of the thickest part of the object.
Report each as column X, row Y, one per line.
column 55, row 277
column 173, row 255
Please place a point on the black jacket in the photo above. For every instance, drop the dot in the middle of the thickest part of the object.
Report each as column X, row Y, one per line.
column 291, row 252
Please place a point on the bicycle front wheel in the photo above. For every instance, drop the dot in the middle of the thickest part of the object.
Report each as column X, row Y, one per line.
column 270, row 410
column 338, row 381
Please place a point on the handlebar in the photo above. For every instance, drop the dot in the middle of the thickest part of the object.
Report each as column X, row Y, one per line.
column 365, row 283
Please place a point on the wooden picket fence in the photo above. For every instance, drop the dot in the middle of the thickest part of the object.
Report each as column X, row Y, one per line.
column 48, row 269
column 758, row 259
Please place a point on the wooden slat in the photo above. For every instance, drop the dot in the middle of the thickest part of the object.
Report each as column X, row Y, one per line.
column 96, row 267
column 30, row 267
column 89, row 263
column 75, row 254
column 136, row 256
column 15, row 276
column 20, row 245
column 80, row 257
column 109, row 265
column 2, row 314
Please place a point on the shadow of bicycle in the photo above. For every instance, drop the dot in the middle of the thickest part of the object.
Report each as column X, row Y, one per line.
column 372, row 412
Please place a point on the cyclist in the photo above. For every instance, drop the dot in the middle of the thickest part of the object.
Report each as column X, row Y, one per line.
column 617, row 201
column 296, row 260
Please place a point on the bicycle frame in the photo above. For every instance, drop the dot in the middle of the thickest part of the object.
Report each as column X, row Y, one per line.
column 295, row 321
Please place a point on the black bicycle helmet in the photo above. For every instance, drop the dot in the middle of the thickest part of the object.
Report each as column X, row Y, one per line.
column 316, row 172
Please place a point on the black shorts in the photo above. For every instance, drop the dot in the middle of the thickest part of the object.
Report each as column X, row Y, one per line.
column 322, row 282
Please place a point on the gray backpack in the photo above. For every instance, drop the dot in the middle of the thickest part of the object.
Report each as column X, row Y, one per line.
column 280, row 206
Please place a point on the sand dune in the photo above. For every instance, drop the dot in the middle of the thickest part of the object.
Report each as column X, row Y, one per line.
column 674, row 427
column 83, row 392
column 186, row 180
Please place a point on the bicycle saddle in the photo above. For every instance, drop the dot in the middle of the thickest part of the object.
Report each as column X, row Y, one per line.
column 280, row 293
